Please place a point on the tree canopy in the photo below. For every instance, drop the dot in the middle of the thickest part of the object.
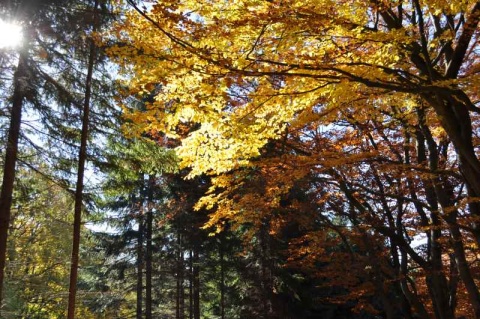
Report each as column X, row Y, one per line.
column 369, row 109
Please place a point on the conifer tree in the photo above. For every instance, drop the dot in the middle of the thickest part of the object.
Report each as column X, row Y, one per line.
column 48, row 85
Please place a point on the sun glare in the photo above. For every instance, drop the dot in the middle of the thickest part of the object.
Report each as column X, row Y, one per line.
column 10, row 34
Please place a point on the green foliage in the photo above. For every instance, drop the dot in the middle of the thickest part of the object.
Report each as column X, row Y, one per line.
column 39, row 249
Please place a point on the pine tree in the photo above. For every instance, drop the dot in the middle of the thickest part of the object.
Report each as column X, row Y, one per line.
column 52, row 62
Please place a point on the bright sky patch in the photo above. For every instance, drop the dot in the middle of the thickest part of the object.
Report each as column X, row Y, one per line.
column 10, row 34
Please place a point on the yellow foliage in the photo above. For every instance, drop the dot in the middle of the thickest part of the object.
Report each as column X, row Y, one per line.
column 238, row 75
column 244, row 70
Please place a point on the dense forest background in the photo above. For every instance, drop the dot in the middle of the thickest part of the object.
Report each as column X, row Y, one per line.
column 240, row 159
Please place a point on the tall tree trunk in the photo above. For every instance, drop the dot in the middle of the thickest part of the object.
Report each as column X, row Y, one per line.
column 455, row 119
column 444, row 193
column 148, row 257
column 222, row 276
column 460, row 258
column 177, row 296
column 196, row 280
column 464, row 268
column 181, row 282
column 436, row 279
column 180, row 311
column 412, row 297
column 20, row 81
column 140, row 265
column 80, row 173
column 190, row 284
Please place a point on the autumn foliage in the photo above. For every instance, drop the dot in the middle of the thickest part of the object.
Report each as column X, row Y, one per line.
column 346, row 129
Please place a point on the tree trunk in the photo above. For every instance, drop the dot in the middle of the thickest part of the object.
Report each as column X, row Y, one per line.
column 436, row 280
column 140, row 265
column 180, row 310
column 455, row 119
column 196, row 281
column 462, row 264
column 148, row 257
column 190, row 285
column 222, row 277
column 450, row 216
column 444, row 194
column 412, row 297
column 80, row 173
column 20, row 86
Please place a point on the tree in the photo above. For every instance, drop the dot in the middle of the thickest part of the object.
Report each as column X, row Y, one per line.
column 50, row 62
column 133, row 197
column 6, row 194
column 82, row 156
column 38, row 250
column 20, row 92
column 373, row 103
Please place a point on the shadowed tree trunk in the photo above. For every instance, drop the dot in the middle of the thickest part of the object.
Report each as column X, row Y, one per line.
column 140, row 265
column 222, row 276
column 190, row 284
column 20, row 83
column 196, row 281
column 180, row 309
column 148, row 257
column 80, row 174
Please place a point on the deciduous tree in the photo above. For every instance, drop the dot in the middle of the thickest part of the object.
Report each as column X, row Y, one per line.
column 372, row 104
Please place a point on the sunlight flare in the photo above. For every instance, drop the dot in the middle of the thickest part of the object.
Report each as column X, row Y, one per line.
column 10, row 34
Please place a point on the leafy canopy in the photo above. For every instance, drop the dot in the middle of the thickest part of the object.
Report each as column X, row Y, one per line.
column 248, row 70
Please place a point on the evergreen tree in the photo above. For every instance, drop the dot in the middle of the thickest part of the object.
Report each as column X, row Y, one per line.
column 49, row 84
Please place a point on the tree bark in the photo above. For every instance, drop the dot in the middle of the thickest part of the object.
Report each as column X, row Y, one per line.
column 222, row 276
column 148, row 257
column 190, row 284
column 20, row 87
column 196, row 281
column 140, row 260
column 80, row 174
column 180, row 307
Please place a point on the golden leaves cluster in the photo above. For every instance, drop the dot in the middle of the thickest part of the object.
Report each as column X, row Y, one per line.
column 246, row 69
column 240, row 74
